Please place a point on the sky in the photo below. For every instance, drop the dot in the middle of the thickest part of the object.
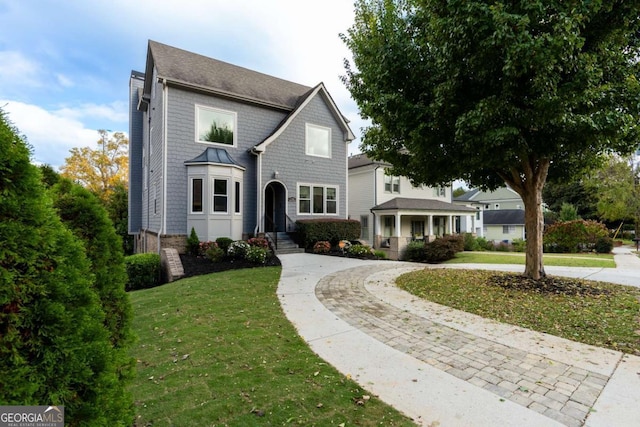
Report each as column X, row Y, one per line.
column 65, row 65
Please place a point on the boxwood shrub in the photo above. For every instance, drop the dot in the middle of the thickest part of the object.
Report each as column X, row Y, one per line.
column 331, row 230
column 143, row 271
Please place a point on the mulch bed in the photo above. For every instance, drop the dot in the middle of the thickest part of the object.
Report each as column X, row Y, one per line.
column 547, row 285
column 196, row 266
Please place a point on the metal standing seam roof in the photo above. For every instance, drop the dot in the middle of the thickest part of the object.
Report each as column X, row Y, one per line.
column 214, row 155
column 401, row 203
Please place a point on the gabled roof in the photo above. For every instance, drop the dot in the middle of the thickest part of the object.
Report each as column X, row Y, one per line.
column 468, row 196
column 504, row 217
column 318, row 90
column 500, row 194
column 402, row 203
column 188, row 69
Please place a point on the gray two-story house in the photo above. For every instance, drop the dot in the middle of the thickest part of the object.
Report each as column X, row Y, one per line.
column 228, row 151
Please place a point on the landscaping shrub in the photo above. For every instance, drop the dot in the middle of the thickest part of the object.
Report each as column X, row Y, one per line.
column 604, row 245
column 215, row 254
column 503, row 247
column 193, row 243
column 223, row 243
column 330, row 230
column 359, row 250
column 322, row 247
column 414, row 251
column 440, row 250
column 257, row 254
column 238, row 249
column 573, row 236
column 519, row 245
column 380, row 254
column 260, row 242
column 143, row 271
column 54, row 347
column 203, row 247
column 470, row 242
column 485, row 245
column 455, row 240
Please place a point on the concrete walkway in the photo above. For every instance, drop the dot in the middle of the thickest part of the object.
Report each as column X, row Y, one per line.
column 449, row 368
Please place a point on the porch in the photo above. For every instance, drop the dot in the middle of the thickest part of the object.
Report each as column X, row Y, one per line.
column 401, row 221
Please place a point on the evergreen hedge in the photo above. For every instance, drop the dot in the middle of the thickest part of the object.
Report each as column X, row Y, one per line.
column 143, row 271
column 54, row 348
column 311, row 231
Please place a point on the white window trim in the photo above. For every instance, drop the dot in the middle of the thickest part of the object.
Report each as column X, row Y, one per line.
column 203, row 179
column 324, row 201
column 393, row 179
column 237, row 198
column 213, row 195
column 218, row 110
column 306, row 140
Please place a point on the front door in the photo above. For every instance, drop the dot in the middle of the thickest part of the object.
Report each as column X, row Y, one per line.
column 274, row 207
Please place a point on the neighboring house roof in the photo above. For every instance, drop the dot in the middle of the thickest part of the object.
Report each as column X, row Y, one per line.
column 218, row 156
column 478, row 196
column 402, row 203
column 360, row 160
column 195, row 71
column 468, row 196
column 504, row 217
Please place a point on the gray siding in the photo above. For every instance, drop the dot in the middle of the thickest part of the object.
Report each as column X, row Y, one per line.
column 254, row 125
column 287, row 156
column 136, row 124
column 153, row 154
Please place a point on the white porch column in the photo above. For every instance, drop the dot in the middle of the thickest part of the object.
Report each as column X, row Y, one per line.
column 398, row 228
column 430, row 225
column 450, row 224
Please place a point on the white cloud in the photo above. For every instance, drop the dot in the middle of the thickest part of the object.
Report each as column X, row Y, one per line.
column 117, row 111
column 15, row 67
column 51, row 135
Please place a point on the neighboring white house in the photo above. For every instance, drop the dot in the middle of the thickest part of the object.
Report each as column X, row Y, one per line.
column 483, row 201
column 504, row 225
column 392, row 212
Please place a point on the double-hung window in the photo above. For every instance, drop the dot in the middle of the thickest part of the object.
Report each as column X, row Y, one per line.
column 391, row 184
column 220, row 195
column 317, row 199
column 196, row 195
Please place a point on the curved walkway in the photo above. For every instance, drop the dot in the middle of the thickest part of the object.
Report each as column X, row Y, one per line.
column 441, row 365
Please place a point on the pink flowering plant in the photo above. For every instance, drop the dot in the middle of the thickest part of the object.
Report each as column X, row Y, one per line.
column 203, row 247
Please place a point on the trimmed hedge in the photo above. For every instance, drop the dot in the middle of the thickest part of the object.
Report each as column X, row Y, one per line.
column 439, row 250
column 311, row 231
column 573, row 236
column 143, row 271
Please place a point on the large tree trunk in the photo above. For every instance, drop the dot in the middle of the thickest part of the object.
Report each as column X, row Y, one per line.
column 528, row 183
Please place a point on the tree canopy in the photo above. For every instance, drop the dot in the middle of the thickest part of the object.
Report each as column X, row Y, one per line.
column 496, row 92
column 100, row 170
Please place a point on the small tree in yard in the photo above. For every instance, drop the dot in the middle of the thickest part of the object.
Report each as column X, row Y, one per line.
column 496, row 92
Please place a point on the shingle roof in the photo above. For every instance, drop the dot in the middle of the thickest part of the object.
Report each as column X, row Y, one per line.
column 467, row 196
column 504, row 217
column 420, row 204
column 359, row 160
column 183, row 67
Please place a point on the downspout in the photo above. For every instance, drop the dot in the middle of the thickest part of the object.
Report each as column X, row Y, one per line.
column 163, row 217
column 375, row 203
column 258, row 152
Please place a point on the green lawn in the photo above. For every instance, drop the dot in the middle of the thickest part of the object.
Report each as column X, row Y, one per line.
column 217, row 350
column 594, row 313
column 565, row 260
